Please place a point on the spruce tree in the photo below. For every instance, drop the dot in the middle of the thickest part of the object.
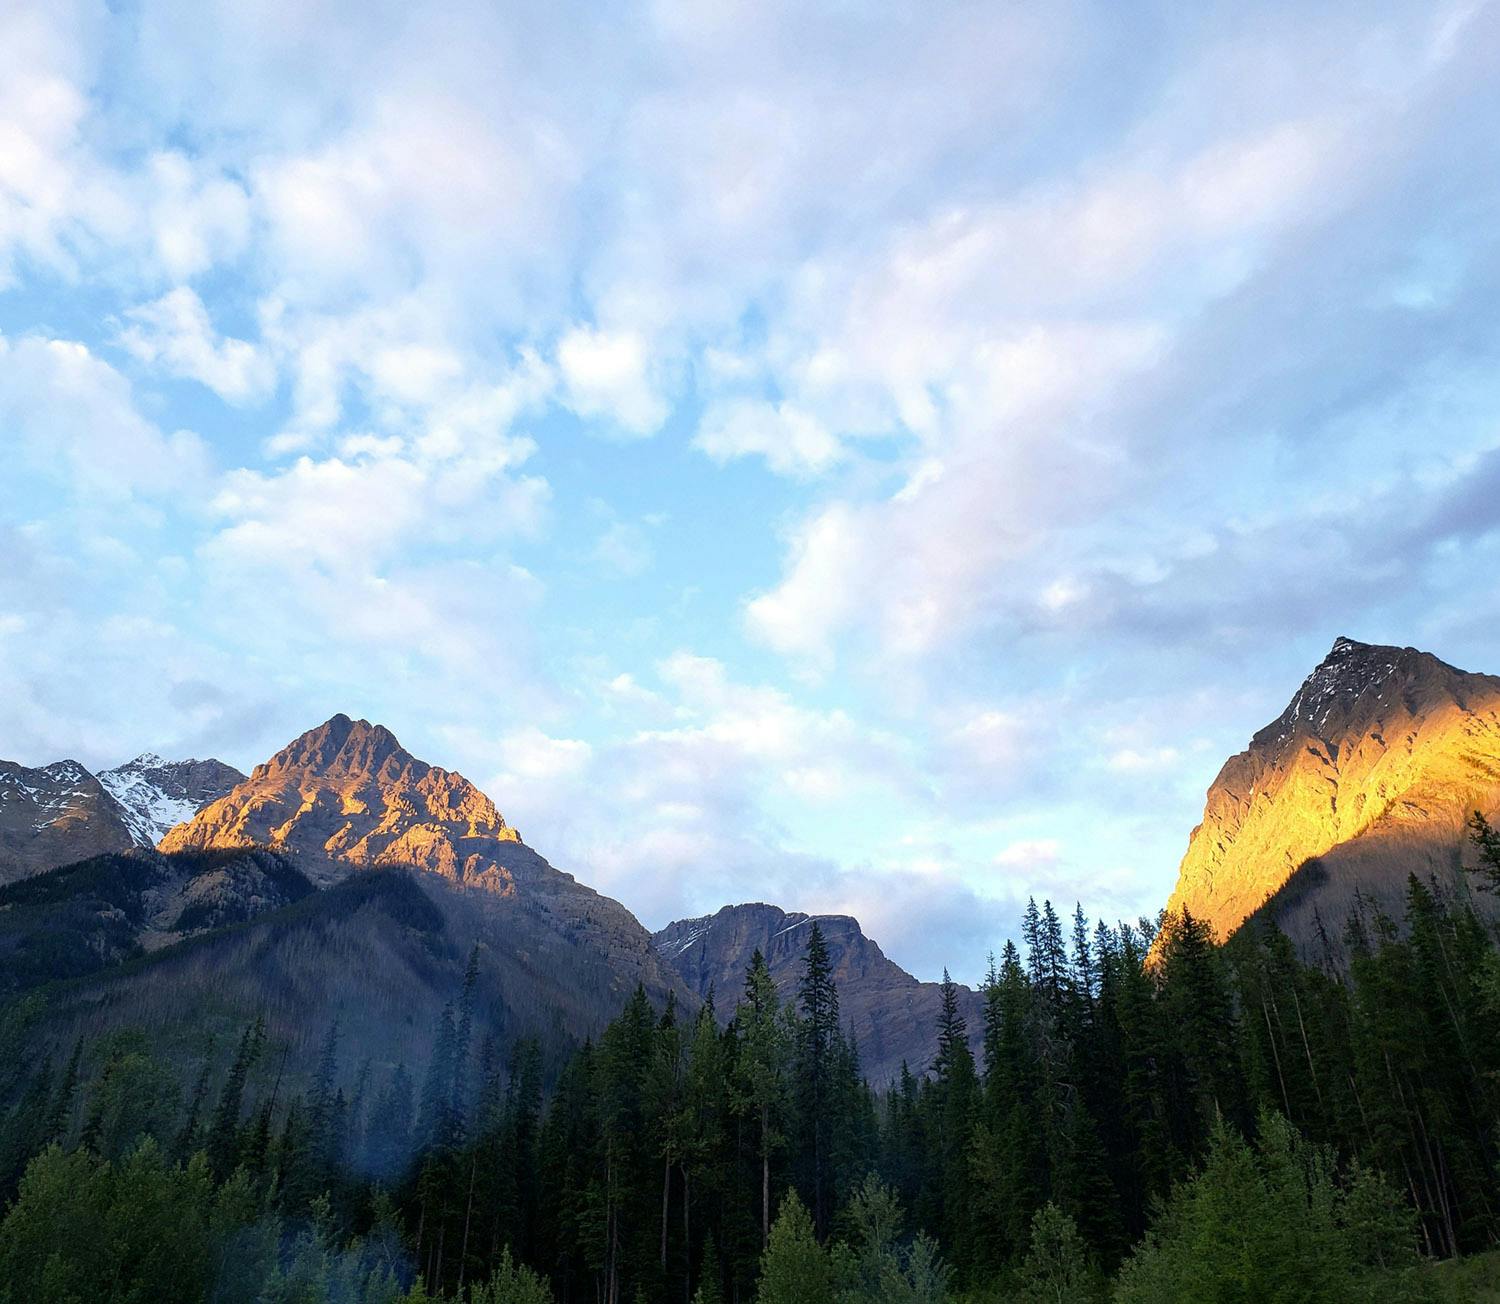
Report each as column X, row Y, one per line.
column 817, row 1051
column 760, row 1071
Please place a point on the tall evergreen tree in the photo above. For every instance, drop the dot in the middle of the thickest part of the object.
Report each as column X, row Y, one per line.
column 761, row 1070
column 817, row 1055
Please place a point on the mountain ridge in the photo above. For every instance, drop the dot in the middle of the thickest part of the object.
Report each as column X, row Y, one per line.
column 892, row 1015
column 1368, row 774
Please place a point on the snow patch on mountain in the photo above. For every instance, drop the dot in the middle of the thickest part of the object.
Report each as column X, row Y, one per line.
column 147, row 808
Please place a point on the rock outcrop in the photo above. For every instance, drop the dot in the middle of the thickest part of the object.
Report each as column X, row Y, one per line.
column 1368, row 776
column 892, row 1015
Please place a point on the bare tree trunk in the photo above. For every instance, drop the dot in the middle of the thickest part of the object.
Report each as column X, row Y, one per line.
column 1276, row 1055
column 1306, row 1048
column 765, row 1177
column 463, row 1258
column 666, row 1204
column 687, row 1239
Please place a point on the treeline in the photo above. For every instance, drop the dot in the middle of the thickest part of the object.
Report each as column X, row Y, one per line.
column 1151, row 1116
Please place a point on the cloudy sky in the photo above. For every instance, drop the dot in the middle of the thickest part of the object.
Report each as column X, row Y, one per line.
column 871, row 457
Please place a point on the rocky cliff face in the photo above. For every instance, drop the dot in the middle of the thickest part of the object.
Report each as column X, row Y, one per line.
column 1368, row 775
column 892, row 1014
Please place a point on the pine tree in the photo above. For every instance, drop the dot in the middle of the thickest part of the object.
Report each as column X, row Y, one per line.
column 189, row 1135
column 795, row 1269
column 223, row 1133
column 1057, row 1269
column 435, row 1122
column 761, row 1070
column 1487, row 843
column 953, row 1097
column 817, row 1051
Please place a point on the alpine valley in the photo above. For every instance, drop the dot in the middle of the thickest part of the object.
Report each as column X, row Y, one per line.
column 265, row 967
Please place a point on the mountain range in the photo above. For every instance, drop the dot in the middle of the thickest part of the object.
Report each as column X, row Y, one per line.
column 346, row 884
column 343, row 883
column 59, row 813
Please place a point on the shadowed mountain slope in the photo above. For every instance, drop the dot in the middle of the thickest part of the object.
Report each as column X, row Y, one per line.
column 893, row 1016
column 342, row 880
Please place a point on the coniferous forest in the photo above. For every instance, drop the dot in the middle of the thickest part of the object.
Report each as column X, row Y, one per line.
column 1149, row 1117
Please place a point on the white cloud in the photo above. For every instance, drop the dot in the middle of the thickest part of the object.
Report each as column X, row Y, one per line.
column 792, row 441
column 197, row 221
column 624, row 549
column 610, row 374
column 72, row 418
column 1029, row 853
column 1131, row 760
column 175, row 333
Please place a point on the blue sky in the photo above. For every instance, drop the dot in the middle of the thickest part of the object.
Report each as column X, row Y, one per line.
column 872, row 457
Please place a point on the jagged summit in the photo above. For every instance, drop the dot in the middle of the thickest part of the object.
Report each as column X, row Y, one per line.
column 341, row 746
column 348, row 794
column 155, row 794
column 1367, row 775
column 1355, row 682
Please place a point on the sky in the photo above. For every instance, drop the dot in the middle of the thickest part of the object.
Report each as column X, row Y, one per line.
column 877, row 458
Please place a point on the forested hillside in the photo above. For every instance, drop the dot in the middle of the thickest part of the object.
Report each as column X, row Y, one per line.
column 1212, row 1123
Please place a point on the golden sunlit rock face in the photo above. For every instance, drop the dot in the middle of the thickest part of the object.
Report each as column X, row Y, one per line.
column 348, row 794
column 1368, row 775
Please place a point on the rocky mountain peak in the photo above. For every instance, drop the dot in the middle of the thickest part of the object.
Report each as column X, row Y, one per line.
column 341, row 747
column 1379, row 757
column 348, row 794
column 155, row 794
column 1353, row 683
column 51, row 814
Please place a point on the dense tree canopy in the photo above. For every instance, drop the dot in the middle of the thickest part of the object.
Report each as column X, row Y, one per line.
column 1151, row 1116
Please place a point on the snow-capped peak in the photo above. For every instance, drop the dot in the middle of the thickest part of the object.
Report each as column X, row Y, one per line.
column 155, row 794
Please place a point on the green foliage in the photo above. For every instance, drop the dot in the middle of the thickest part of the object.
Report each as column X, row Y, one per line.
column 795, row 1269
column 136, row 1096
column 510, row 1283
column 878, row 1270
column 1109, row 1109
column 1269, row 1224
column 1057, row 1268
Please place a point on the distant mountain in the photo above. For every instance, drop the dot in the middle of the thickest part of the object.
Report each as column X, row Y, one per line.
column 342, row 881
column 1367, row 776
column 60, row 813
column 154, row 794
column 54, row 814
column 893, row 1015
